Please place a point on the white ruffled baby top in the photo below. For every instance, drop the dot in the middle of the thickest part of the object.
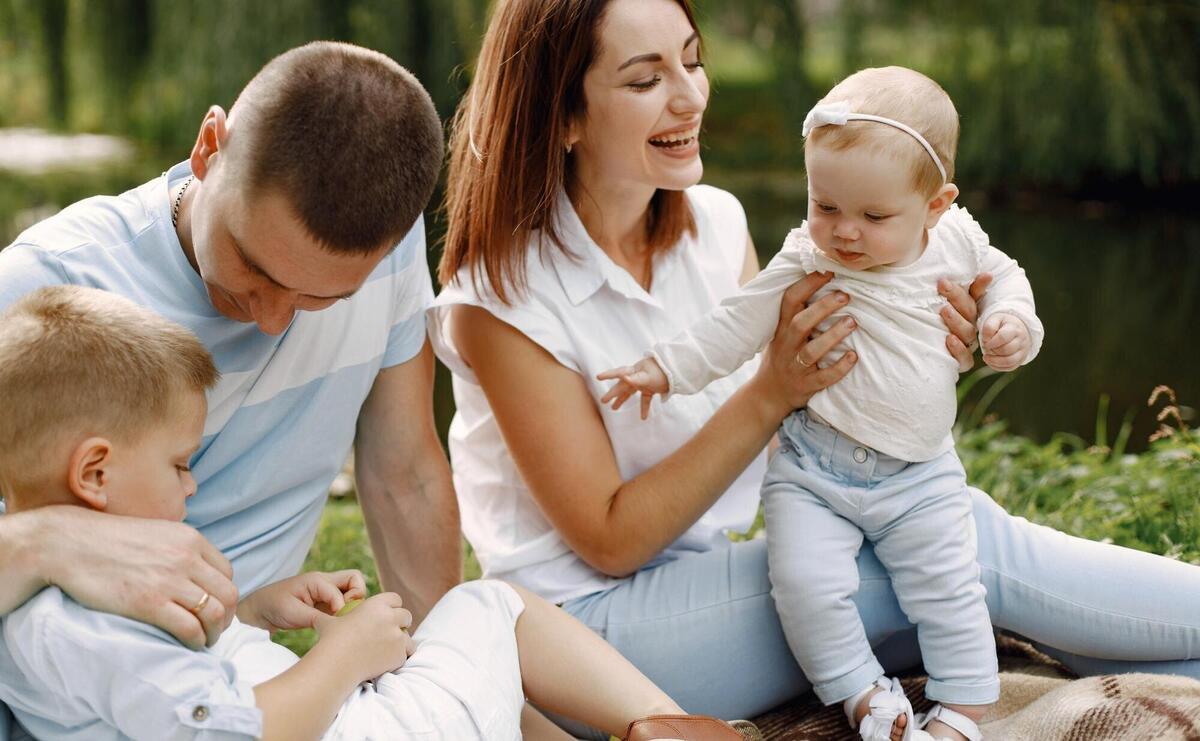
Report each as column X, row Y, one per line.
column 899, row 398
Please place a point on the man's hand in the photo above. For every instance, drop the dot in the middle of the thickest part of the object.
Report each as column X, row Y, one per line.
column 298, row 602
column 960, row 316
column 374, row 635
column 1006, row 341
column 155, row 571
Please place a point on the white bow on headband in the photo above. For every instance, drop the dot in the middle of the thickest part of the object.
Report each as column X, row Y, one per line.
column 838, row 114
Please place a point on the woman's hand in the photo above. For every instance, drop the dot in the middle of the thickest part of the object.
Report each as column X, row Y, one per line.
column 960, row 316
column 294, row 603
column 789, row 374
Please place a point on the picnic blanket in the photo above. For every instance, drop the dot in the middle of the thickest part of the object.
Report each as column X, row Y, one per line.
column 1039, row 701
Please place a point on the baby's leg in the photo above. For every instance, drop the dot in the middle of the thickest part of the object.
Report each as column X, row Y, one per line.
column 920, row 522
column 569, row 670
column 811, row 551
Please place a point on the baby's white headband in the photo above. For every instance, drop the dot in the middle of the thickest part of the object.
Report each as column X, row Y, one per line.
column 837, row 114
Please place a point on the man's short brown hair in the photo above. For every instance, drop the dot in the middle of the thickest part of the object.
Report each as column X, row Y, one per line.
column 347, row 136
column 78, row 361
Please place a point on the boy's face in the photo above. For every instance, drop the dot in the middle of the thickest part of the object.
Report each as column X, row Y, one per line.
column 151, row 477
column 862, row 209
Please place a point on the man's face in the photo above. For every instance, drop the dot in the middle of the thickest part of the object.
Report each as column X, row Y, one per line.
column 258, row 262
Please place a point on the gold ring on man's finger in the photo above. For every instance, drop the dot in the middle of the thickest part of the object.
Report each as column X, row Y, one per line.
column 200, row 605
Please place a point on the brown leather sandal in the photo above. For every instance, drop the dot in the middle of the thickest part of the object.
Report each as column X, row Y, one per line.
column 690, row 728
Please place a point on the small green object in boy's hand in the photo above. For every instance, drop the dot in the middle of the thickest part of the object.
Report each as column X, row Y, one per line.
column 346, row 608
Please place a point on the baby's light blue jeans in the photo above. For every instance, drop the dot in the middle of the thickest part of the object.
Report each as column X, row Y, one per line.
column 825, row 491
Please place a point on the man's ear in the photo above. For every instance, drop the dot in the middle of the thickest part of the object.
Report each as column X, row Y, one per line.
column 88, row 476
column 214, row 131
column 939, row 203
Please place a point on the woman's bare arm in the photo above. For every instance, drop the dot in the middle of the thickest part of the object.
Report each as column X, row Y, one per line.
column 615, row 525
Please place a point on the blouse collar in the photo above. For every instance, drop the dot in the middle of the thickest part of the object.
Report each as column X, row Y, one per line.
column 583, row 267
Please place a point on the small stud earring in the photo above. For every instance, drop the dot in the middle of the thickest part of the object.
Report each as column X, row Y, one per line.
column 569, row 145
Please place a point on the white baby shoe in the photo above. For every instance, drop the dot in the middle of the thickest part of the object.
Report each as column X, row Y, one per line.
column 954, row 719
column 885, row 707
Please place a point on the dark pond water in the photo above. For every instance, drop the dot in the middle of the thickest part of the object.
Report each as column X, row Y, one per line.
column 1117, row 289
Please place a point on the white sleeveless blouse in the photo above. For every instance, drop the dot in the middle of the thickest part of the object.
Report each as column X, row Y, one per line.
column 591, row 315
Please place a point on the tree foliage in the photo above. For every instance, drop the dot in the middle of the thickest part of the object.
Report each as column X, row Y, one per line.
column 1076, row 95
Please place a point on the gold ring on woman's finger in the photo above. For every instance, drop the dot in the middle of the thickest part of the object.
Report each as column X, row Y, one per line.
column 801, row 361
column 200, row 605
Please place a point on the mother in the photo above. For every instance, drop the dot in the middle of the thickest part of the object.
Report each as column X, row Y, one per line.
column 577, row 238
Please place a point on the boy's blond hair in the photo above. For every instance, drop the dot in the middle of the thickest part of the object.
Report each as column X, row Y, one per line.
column 903, row 95
column 77, row 362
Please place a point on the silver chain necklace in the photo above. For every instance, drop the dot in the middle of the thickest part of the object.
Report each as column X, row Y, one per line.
column 179, row 201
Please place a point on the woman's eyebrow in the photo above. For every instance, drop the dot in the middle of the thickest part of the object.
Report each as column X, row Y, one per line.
column 654, row 56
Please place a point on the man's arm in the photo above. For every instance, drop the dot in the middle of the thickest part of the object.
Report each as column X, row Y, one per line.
column 20, row 575
column 405, row 487
column 148, row 570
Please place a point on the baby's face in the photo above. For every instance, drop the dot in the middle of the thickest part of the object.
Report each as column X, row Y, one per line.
column 151, row 477
column 862, row 209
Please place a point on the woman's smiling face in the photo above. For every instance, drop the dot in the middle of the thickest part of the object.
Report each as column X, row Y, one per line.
column 646, row 92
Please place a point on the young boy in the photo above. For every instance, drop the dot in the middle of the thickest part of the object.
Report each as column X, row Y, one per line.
column 104, row 408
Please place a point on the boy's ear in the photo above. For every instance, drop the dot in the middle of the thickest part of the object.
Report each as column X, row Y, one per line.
column 88, row 475
column 939, row 203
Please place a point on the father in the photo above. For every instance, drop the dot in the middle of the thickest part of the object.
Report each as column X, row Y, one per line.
column 291, row 242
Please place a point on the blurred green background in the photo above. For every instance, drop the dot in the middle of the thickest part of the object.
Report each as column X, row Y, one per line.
column 1080, row 150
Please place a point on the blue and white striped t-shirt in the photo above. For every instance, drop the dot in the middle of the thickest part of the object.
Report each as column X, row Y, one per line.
column 281, row 420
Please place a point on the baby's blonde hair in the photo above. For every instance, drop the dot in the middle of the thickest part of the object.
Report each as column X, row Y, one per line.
column 78, row 361
column 903, row 95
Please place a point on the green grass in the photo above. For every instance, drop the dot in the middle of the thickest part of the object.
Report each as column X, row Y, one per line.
column 1088, row 488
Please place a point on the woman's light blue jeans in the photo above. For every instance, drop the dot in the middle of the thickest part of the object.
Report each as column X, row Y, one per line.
column 704, row 627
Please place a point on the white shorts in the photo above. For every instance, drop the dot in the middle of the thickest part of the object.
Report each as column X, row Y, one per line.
column 463, row 682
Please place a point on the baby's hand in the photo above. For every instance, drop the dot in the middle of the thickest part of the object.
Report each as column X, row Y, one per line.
column 1005, row 341
column 645, row 377
column 374, row 635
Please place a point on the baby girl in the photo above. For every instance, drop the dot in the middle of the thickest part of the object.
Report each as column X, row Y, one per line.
column 873, row 456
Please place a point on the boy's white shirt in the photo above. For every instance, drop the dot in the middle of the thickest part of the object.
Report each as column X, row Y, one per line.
column 900, row 396
column 76, row 674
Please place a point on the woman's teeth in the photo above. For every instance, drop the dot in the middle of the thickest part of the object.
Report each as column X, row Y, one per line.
column 678, row 139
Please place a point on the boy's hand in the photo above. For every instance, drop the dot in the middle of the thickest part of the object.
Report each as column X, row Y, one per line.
column 645, row 377
column 374, row 636
column 298, row 602
column 1005, row 341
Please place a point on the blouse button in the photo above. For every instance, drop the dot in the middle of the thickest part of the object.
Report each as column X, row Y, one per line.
column 860, row 455
column 200, row 713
